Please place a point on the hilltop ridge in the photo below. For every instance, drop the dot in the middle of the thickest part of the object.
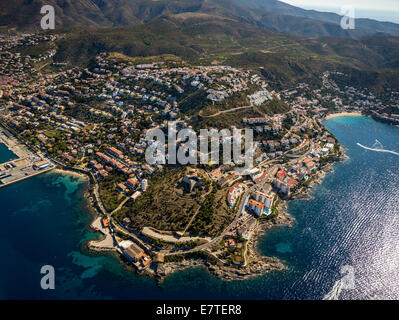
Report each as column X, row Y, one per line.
column 267, row 14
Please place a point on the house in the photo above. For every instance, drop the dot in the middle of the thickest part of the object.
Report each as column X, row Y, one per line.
column 126, row 222
column 144, row 260
column 132, row 183
column 122, row 188
column 310, row 165
column 230, row 243
column 243, row 231
column 227, row 179
column 254, row 120
column 216, row 174
column 233, row 194
column 256, row 207
column 281, row 174
column 135, row 195
column 281, row 186
column 144, row 184
column 259, row 178
column 148, row 169
column 115, row 152
column 105, row 223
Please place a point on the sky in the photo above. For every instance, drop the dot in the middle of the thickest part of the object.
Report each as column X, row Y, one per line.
column 385, row 5
column 383, row 10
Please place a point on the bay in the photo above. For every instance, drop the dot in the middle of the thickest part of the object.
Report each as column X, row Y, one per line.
column 350, row 227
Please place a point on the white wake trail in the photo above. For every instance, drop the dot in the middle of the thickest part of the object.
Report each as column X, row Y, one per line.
column 377, row 149
column 335, row 291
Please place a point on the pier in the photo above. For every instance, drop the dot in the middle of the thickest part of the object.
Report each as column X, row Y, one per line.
column 28, row 164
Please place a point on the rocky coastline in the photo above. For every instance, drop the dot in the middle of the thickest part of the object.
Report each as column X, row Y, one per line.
column 256, row 264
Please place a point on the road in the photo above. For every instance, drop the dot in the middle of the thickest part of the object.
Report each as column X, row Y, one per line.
column 120, row 206
column 118, row 227
column 170, row 238
column 226, row 111
column 231, row 226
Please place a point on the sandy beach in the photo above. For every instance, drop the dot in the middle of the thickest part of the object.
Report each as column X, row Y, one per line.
column 343, row 114
column 71, row 173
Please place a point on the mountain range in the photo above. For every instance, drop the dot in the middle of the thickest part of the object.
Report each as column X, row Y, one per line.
column 288, row 44
column 268, row 14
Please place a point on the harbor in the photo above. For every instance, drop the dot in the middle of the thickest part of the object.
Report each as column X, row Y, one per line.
column 24, row 164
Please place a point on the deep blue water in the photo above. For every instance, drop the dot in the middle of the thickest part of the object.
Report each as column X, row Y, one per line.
column 6, row 154
column 352, row 221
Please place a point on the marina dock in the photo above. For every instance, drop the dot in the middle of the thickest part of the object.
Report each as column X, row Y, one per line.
column 28, row 164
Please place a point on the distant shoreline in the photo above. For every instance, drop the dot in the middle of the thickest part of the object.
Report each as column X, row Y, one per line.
column 344, row 114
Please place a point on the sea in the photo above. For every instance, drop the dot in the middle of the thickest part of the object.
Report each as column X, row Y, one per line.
column 6, row 154
column 344, row 243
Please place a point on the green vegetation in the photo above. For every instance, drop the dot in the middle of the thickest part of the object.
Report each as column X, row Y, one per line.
column 187, row 244
column 109, row 194
column 274, row 106
column 196, row 255
column 122, row 235
column 205, row 215
column 163, row 206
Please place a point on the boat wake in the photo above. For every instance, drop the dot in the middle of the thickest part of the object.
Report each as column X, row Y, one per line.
column 335, row 291
column 377, row 147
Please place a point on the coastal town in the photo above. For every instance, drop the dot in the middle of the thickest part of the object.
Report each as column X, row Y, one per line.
column 93, row 121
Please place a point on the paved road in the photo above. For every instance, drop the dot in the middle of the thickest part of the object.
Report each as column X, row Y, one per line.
column 225, row 111
column 98, row 198
column 214, row 241
column 120, row 206
column 131, row 234
column 170, row 238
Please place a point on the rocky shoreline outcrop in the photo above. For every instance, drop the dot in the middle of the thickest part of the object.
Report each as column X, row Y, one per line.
column 256, row 263
column 256, row 267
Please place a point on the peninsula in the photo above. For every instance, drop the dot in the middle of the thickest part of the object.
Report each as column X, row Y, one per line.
column 161, row 218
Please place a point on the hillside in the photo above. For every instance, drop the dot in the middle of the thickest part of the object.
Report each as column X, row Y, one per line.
column 192, row 36
column 272, row 15
column 214, row 35
column 363, row 26
column 206, row 39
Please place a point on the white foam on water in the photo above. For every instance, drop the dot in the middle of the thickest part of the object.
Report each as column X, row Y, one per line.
column 378, row 149
column 334, row 293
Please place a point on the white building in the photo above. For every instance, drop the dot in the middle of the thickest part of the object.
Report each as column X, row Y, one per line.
column 144, row 184
column 264, row 198
column 255, row 206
